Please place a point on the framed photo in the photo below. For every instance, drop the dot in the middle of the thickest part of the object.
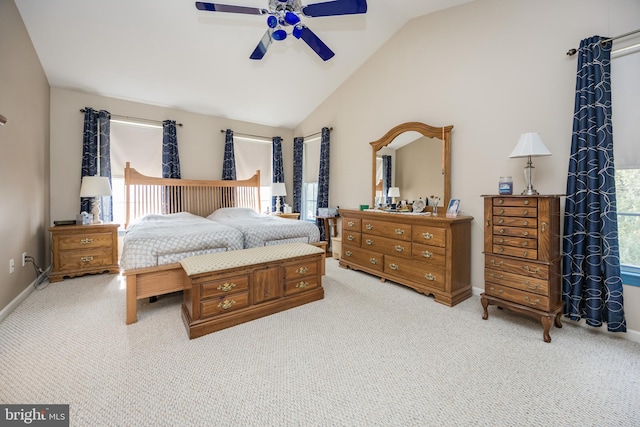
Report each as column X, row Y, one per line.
column 454, row 207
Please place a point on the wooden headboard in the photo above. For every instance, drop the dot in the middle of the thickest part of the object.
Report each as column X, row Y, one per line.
column 146, row 195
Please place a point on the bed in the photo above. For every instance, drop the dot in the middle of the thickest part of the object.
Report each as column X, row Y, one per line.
column 266, row 230
column 149, row 199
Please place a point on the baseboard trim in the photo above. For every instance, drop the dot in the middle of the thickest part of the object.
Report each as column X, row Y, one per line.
column 630, row 335
column 21, row 297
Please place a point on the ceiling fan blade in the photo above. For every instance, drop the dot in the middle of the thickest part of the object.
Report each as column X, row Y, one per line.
column 316, row 44
column 263, row 45
column 337, row 7
column 215, row 7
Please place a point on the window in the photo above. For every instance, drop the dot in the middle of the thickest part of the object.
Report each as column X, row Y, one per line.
column 310, row 174
column 141, row 146
column 625, row 94
column 309, row 201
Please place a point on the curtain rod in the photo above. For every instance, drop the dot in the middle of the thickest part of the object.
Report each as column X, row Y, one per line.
column 82, row 110
column 268, row 137
column 314, row 134
column 572, row 52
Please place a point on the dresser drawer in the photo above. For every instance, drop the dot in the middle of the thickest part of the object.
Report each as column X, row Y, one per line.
column 521, row 267
column 82, row 241
column 420, row 272
column 351, row 237
column 351, row 224
column 386, row 245
column 519, row 297
column 300, row 269
column 427, row 235
column 224, row 304
column 365, row 258
column 217, row 288
column 525, row 212
column 523, row 283
column 300, row 284
column 515, row 201
column 386, row 229
column 430, row 254
column 529, row 233
column 510, row 221
column 86, row 259
column 518, row 242
column 517, row 252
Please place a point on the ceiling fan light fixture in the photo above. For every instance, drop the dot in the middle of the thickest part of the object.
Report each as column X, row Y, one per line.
column 272, row 21
column 291, row 18
column 297, row 31
column 279, row 34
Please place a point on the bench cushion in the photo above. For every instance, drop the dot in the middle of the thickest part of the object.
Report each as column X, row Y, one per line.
column 225, row 260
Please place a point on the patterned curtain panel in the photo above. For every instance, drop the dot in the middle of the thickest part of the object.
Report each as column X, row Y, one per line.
column 298, row 150
column 96, row 133
column 386, row 177
column 323, row 178
column 170, row 158
column 278, row 169
column 229, row 162
column 592, row 286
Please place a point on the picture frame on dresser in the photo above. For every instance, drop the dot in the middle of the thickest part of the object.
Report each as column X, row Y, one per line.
column 454, row 207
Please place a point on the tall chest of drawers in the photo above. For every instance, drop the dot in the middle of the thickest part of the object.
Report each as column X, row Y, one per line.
column 83, row 249
column 522, row 257
column 430, row 254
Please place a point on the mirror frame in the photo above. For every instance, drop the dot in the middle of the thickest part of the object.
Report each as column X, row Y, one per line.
column 442, row 133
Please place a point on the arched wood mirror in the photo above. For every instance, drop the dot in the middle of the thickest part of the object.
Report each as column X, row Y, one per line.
column 419, row 161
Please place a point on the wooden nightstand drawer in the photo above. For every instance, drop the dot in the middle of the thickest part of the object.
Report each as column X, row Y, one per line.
column 80, row 260
column 82, row 241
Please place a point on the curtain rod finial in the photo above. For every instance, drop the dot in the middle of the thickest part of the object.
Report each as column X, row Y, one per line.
column 572, row 52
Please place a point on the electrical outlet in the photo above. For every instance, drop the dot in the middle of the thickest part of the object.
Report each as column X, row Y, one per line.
column 24, row 258
column 12, row 266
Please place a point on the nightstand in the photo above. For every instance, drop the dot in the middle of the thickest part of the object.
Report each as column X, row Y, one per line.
column 287, row 215
column 83, row 249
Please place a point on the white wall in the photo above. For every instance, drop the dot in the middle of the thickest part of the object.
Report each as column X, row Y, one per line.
column 200, row 143
column 492, row 68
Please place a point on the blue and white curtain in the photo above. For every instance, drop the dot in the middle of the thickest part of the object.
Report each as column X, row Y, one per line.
column 229, row 162
column 592, row 285
column 277, row 166
column 386, row 177
column 323, row 178
column 96, row 156
column 298, row 159
column 170, row 158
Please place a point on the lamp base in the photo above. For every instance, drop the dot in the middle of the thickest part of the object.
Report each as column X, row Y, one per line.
column 529, row 192
column 95, row 210
column 529, row 175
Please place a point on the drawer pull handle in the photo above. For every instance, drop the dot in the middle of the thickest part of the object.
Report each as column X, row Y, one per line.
column 525, row 233
column 86, row 241
column 430, row 277
column 525, row 212
column 399, row 231
column 393, row 266
column 501, row 211
column 373, row 261
column 86, row 258
column 497, row 276
column 531, row 270
column 525, row 223
column 427, row 254
column 501, row 221
column 399, row 248
column 302, row 285
column 369, row 242
column 526, row 202
column 369, row 227
column 348, row 253
column 544, row 227
column 499, row 263
column 488, row 223
column 501, row 231
column 500, row 201
column 534, row 302
column 351, row 224
column 226, row 287
column 525, row 244
column 533, row 286
column 350, row 238
column 499, row 291
column 227, row 304
column 525, row 254
column 500, row 250
column 302, row 270
column 501, row 240
column 427, row 236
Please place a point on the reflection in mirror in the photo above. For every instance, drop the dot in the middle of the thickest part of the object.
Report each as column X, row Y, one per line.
column 415, row 158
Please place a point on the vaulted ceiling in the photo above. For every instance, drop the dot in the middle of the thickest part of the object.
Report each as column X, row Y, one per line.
column 168, row 53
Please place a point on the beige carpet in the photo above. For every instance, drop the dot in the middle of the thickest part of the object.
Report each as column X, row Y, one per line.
column 369, row 354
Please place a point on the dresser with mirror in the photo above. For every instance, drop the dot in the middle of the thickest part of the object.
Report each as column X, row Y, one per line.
column 424, row 250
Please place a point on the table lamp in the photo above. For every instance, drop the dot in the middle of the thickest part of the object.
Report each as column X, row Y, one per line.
column 529, row 145
column 278, row 189
column 393, row 193
column 95, row 186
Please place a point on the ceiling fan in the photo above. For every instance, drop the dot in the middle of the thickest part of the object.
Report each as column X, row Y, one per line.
column 285, row 14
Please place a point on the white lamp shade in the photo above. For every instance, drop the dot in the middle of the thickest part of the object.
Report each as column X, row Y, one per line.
column 394, row 192
column 530, row 144
column 94, row 186
column 278, row 189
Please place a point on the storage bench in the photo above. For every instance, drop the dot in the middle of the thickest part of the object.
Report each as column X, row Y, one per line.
column 225, row 289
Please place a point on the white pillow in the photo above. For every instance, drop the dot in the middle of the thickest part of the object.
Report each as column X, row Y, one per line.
column 231, row 213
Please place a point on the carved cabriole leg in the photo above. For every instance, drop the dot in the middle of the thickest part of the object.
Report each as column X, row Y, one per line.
column 485, row 305
column 547, row 321
column 558, row 321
